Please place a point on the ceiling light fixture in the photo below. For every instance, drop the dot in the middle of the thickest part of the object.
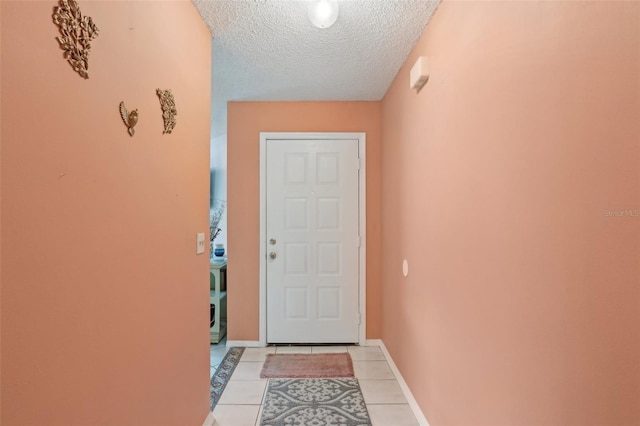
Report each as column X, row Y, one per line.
column 323, row 13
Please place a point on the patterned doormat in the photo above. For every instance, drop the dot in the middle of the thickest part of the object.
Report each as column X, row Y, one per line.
column 223, row 374
column 325, row 402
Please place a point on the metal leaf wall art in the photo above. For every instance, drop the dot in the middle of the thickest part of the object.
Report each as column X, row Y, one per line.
column 169, row 111
column 76, row 31
column 130, row 119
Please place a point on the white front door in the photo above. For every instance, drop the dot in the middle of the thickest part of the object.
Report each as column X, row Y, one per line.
column 312, row 241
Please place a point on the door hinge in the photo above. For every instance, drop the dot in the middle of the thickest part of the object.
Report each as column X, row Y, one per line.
column 358, row 163
column 359, row 241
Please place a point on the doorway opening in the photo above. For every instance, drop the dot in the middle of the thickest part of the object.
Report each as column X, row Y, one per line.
column 318, row 279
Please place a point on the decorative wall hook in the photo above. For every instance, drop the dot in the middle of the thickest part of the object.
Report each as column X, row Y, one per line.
column 77, row 32
column 130, row 119
column 169, row 111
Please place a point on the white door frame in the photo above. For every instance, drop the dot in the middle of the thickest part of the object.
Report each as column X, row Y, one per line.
column 362, row 216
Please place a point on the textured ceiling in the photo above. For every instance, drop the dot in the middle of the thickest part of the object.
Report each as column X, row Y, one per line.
column 269, row 50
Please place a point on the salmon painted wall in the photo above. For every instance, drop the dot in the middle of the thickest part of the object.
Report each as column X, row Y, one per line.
column 0, row 217
column 104, row 301
column 522, row 303
column 245, row 122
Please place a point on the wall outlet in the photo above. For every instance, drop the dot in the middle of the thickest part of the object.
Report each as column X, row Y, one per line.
column 200, row 243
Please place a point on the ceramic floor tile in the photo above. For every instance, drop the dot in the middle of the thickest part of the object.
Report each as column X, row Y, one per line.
column 372, row 370
column 218, row 351
column 366, row 353
column 243, row 392
column 328, row 349
column 391, row 415
column 257, row 354
column 236, row 415
column 221, row 344
column 215, row 360
column 293, row 350
column 247, row 371
column 382, row 392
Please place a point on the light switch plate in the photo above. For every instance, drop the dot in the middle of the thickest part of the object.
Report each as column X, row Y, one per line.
column 200, row 243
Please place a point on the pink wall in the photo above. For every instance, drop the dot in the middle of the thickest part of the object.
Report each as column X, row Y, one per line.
column 245, row 122
column 522, row 304
column 0, row 218
column 104, row 301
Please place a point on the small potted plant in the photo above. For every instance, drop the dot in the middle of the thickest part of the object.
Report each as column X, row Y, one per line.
column 214, row 221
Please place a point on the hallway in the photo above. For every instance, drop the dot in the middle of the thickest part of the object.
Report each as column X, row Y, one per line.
column 502, row 214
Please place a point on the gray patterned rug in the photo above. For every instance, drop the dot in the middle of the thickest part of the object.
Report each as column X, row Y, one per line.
column 317, row 402
column 223, row 374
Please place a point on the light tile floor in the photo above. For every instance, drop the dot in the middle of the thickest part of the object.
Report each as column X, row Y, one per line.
column 242, row 399
column 217, row 353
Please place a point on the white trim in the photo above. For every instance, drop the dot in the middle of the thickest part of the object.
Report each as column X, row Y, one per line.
column 245, row 343
column 210, row 420
column 362, row 211
column 362, row 206
column 413, row 404
column 263, row 238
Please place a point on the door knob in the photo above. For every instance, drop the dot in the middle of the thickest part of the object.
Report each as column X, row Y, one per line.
column 272, row 241
column 272, row 255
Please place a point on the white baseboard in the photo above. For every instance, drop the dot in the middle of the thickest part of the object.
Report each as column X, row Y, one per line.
column 246, row 343
column 209, row 421
column 413, row 404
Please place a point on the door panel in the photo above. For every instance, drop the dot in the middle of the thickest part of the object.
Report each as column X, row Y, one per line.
column 312, row 220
